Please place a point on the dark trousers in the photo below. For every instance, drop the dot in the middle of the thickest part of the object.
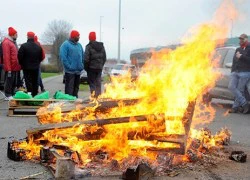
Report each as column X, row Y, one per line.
column 72, row 82
column 11, row 82
column 31, row 80
column 95, row 81
column 40, row 82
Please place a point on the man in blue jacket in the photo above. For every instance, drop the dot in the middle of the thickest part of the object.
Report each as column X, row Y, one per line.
column 72, row 56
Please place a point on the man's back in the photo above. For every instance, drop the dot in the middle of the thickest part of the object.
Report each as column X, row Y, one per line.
column 95, row 55
column 30, row 55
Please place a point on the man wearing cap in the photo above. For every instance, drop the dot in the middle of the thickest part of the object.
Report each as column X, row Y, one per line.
column 95, row 58
column 11, row 65
column 30, row 56
column 72, row 56
column 240, row 75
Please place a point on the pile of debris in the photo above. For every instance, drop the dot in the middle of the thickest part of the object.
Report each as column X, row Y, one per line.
column 49, row 144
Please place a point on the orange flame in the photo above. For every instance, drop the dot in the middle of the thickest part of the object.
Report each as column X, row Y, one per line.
column 167, row 83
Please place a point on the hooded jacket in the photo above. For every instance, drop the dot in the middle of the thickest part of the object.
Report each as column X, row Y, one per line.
column 95, row 56
column 30, row 55
column 10, row 51
column 242, row 64
column 72, row 55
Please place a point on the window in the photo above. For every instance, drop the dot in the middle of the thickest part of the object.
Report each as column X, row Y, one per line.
column 119, row 67
column 229, row 57
column 220, row 55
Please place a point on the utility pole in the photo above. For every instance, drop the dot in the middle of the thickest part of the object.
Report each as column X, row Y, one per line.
column 119, row 33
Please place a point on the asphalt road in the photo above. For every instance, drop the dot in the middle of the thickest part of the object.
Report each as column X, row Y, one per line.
column 16, row 127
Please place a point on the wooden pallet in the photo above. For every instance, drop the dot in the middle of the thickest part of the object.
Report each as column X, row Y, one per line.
column 21, row 107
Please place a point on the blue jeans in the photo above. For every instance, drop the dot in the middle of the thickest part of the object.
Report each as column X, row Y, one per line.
column 237, row 86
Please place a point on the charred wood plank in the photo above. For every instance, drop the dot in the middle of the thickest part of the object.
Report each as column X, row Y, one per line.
column 99, row 122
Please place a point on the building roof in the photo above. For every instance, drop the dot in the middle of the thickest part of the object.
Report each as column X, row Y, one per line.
column 47, row 49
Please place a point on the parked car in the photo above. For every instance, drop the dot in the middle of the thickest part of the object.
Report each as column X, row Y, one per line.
column 83, row 77
column 122, row 69
column 2, row 77
column 221, row 91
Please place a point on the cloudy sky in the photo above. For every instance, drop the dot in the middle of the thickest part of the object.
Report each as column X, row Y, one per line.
column 145, row 23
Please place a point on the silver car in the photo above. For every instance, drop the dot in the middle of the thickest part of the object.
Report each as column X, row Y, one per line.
column 221, row 91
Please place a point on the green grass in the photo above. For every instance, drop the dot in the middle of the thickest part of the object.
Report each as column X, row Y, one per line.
column 46, row 75
column 84, row 87
column 106, row 79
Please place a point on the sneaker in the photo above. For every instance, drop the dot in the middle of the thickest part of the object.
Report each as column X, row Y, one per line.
column 43, row 90
column 245, row 108
column 233, row 110
column 8, row 98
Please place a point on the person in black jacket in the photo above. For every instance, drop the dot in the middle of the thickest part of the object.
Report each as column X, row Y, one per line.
column 30, row 56
column 95, row 58
column 240, row 75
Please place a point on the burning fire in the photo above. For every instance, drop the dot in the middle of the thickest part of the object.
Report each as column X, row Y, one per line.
column 168, row 82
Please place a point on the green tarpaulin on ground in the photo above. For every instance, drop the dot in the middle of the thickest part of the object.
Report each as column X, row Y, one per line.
column 60, row 95
column 22, row 95
column 44, row 95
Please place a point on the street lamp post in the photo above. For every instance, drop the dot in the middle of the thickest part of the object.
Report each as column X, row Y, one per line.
column 232, row 28
column 101, row 28
column 119, row 33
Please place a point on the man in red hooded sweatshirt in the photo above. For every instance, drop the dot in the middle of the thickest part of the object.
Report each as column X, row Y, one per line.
column 240, row 76
column 11, row 65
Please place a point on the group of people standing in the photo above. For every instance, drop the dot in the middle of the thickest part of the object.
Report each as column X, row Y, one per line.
column 240, row 76
column 27, row 58
column 74, row 60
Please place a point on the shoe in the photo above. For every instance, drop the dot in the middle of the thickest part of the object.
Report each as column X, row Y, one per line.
column 233, row 110
column 240, row 109
column 8, row 98
column 245, row 108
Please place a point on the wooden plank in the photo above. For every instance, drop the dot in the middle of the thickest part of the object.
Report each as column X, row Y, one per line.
column 20, row 115
column 39, row 100
column 180, row 150
column 99, row 122
column 25, row 107
column 10, row 112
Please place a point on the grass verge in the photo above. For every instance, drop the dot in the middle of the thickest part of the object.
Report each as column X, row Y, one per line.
column 46, row 75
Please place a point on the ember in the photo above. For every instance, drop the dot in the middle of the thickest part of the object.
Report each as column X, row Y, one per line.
column 140, row 123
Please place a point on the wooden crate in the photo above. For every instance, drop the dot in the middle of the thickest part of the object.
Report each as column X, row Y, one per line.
column 21, row 107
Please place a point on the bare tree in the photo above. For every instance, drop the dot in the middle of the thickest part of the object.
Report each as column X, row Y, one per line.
column 2, row 35
column 56, row 33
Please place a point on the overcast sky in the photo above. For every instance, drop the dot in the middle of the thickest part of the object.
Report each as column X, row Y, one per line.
column 145, row 23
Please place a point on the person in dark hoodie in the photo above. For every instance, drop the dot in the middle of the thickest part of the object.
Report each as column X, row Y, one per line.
column 72, row 56
column 30, row 56
column 95, row 58
column 240, row 76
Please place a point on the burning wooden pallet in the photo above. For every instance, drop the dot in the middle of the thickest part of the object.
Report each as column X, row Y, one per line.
column 51, row 151
column 28, row 107
column 47, row 114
